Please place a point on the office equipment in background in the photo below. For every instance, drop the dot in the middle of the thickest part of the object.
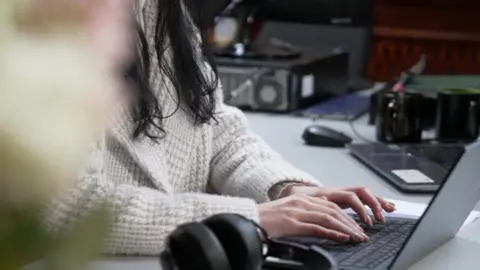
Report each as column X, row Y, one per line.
column 399, row 117
column 317, row 135
column 291, row 84
column 382, row 109
column 291, row 88
column 246, row 85
column 343, row 107
column 243, row 14
column 332, row 24
column 420, row 168
column 458, row 115
column 230, row 241
column 428, row 86
column 401, row 242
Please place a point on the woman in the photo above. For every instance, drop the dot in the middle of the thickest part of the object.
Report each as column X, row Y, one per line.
column 165, row 155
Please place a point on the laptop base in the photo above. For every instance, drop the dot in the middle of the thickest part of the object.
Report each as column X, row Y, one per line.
column 418, row 168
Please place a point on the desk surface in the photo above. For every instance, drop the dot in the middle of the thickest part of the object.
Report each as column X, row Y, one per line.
column 333, row 167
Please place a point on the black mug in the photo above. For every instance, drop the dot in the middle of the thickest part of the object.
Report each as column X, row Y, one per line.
column 458, row 114
column 399, row 117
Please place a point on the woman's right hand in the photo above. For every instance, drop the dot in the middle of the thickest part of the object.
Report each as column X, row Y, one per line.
column 303, row 215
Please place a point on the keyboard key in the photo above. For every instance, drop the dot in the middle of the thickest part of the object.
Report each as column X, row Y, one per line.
column 384, row 243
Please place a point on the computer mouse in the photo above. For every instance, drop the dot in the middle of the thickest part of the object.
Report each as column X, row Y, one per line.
column 318, row 135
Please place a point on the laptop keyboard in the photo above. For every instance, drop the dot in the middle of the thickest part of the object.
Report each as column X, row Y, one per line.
column 385, row 242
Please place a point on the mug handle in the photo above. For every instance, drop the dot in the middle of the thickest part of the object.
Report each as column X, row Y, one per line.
column 392, row 112
column 472, row 117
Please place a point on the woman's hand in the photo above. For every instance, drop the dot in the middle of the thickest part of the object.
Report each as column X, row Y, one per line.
column 351, row 197
column 304, row 215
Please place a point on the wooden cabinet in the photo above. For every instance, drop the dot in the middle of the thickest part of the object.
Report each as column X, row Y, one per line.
column 447, row 31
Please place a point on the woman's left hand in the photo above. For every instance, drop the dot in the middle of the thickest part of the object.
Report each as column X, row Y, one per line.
column 350, row 197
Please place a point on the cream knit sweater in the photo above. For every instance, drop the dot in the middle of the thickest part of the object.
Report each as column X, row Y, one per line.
column 160, row 185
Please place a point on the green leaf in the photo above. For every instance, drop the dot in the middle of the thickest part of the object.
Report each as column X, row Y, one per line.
column 82, row 243
column 22, row 238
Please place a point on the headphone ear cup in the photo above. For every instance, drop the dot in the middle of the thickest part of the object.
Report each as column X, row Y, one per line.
column 240, row 240
column 194, row 246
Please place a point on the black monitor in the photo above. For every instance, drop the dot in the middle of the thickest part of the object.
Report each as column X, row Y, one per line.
column 344, row 24
column 335, row 24
column 323, row 12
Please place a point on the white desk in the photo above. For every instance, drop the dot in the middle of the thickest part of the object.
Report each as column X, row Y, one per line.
column 331, row 166
column 461, row 253
column 335, row 168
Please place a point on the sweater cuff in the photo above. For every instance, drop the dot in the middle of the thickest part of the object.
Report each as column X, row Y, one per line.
column 277, row 189
column 263, row 178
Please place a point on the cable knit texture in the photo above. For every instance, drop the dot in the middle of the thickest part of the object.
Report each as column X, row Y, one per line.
column 157, row 186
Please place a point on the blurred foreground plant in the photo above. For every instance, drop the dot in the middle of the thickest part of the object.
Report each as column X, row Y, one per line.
column 57, row 80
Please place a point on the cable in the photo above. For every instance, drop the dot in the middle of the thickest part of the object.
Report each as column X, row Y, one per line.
column 351, row 121
column 227, row 10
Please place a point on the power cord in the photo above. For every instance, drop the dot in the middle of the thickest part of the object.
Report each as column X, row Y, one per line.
column 351, row 123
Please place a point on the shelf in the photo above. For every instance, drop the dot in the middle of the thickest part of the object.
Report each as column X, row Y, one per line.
column 420, row 34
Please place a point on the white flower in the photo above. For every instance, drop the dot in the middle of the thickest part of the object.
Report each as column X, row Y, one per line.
column 53, row 101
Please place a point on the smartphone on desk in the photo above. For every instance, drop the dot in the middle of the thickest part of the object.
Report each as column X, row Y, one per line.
column 272, row 263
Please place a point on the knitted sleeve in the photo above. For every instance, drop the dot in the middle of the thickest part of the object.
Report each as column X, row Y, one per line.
column 145, row 217
column 243, row 164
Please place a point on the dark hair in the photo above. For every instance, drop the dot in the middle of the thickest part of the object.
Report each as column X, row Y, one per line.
column 175, row 31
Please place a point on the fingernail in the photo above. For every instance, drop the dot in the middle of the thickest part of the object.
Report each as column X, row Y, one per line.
column 365, row 236
column 391, row 206
column 381, row 218
column 359, row 237
column 369, row 221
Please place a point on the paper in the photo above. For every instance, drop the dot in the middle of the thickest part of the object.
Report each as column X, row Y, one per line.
column 414, row 210
column 413, row 176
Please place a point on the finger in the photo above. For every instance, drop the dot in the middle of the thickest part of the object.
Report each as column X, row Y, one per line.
column 351, row 199
column 344, row 217
column 330, row 222
column 367, row 197
column 387, row 206
column 319, row 231
column 321, row 205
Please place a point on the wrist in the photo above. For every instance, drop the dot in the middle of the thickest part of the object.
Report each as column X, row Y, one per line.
column 292, row 188
column 275, row 192
column 288, row 189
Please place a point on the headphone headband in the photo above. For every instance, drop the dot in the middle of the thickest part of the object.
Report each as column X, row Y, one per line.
column 232, row 242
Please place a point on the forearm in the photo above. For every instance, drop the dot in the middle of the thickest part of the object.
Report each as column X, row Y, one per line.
column 244, row 165
column 145, row 217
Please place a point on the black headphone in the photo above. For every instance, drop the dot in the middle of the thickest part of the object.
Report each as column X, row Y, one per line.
column 232, row 242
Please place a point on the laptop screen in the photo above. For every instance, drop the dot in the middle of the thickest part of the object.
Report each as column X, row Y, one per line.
column 438, row 225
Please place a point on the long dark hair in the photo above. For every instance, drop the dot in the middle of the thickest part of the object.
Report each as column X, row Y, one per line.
column 176, row 31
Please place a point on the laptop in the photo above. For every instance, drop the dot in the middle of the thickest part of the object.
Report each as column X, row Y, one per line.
column 403, row 241
column 417, row 168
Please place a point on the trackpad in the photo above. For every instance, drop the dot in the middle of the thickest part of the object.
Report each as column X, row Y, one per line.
column 409, row 168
